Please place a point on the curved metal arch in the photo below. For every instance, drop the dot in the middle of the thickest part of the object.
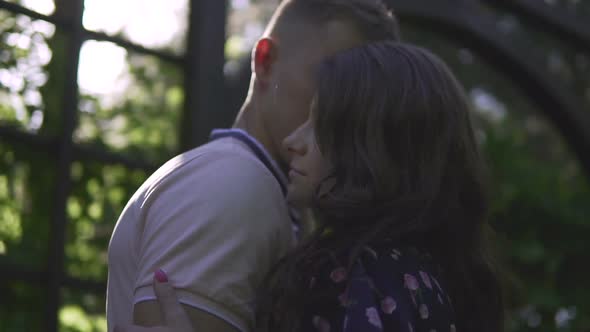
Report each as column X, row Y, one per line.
column 562, row 23
column 464, row 23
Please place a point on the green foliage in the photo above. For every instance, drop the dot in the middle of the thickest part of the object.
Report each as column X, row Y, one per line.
column 23, row 53
column 144, row 121
column 25, row 206
column 21, row 307
column 541, row 210
column 82, row 312
column 98, row 196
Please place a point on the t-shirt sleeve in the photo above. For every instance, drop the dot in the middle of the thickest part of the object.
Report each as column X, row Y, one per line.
column 215, row 226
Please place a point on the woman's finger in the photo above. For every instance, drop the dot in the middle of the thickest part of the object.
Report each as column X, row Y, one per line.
column 175, row 316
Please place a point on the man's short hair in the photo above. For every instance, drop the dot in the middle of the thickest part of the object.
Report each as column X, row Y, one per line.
column 371, row 18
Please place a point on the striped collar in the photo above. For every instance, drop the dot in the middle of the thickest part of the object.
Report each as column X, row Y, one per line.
column 262, row 154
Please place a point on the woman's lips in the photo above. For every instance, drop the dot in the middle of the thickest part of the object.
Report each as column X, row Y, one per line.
column 295, row 171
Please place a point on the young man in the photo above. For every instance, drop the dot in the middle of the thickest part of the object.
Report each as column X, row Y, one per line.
column 215, row 218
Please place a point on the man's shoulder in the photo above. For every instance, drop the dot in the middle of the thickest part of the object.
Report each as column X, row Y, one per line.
column 221, row 150
column 222, row 168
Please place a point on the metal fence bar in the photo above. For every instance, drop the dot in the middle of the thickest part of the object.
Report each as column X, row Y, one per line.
column 18, row 9
column 11, row 134
column 203, row 80
column 95, row 35
column 172, row 58
column 74, row 10
column 86, row 152
column 14, row 272
column 563, row 23
column 92, row 153
column 464, row 22
column 90, row 286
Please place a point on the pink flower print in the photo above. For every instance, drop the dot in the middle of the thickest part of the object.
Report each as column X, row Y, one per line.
column 321, row 324
column 372, row 252
column 440, row 299
column 373, row 317
column 425, row 279
column 338, row 275
column 411, row 282
column 413, row 298
column 410, row 327
column 423, row 311
column 436, row 282
column 388, row 305
column 453, row 329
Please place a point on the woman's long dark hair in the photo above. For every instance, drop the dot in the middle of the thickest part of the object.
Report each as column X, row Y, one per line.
column 395, row 124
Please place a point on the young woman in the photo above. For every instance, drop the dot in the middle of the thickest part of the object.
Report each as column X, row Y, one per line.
column 389, row 165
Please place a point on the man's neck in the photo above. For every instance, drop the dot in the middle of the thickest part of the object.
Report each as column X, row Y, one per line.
column 249, row 121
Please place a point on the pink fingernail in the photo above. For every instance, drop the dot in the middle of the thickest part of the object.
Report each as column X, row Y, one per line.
column 160, row 275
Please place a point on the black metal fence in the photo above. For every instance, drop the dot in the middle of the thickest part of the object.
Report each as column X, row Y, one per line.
column 202, row 65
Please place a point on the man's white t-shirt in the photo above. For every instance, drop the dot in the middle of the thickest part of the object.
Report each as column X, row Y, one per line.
column 215, row 220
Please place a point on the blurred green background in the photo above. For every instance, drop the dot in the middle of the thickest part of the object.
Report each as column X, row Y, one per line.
column 131, row 104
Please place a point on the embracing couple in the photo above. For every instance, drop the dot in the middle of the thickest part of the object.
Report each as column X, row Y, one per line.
column 346, row 129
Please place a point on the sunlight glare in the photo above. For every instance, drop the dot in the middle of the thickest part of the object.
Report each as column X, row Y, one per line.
column 102, row 65
column 45, row 7
column 151, row 23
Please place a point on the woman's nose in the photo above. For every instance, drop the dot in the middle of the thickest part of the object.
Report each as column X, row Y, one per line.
column 294, row 143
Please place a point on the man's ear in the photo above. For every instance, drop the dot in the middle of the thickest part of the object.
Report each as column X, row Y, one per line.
column 264, row 56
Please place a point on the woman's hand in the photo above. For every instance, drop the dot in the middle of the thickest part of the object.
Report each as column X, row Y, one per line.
column 174, row 314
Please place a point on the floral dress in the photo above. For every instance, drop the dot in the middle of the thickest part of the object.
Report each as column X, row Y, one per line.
column 389, row 289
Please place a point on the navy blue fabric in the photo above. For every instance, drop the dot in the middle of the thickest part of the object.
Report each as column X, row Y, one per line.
column 388, row 289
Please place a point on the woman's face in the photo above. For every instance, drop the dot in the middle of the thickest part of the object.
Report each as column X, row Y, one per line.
column 308, row 167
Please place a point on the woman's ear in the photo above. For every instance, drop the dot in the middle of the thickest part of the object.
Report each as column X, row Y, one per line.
column 264, row 56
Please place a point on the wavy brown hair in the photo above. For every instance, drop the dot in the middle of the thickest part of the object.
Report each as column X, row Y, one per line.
column 395, row 124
